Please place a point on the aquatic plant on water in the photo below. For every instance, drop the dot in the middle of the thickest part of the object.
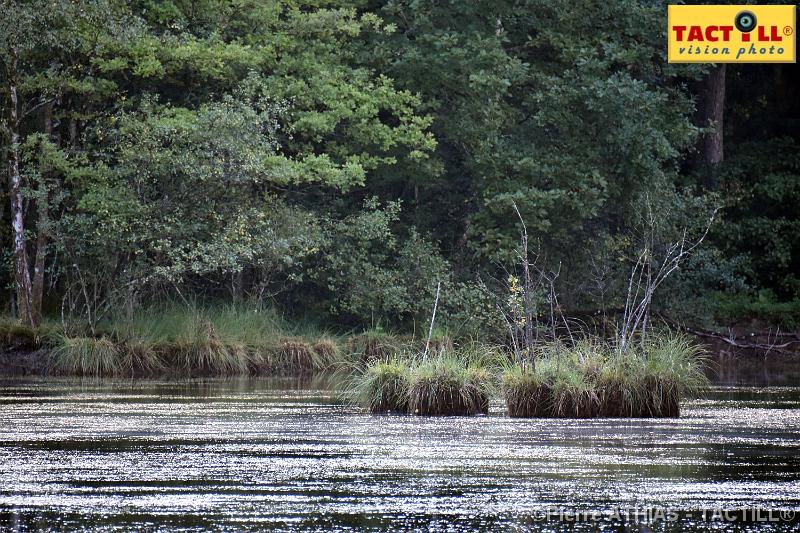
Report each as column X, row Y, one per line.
column 595, row 379
column 449, row 385
column 384, row 386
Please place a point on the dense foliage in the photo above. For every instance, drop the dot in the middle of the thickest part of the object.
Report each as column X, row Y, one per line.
column 342, row 158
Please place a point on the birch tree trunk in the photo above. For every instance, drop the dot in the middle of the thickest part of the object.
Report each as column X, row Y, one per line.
column 22, row 277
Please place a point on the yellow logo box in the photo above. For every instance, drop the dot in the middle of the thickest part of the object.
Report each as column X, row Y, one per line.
column 731, row 34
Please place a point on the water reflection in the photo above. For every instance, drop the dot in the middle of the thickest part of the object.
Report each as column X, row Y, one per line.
column 265, row 454
column 766, row 371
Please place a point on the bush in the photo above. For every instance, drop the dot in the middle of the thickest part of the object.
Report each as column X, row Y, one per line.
column 370, row 270
column 764, row 307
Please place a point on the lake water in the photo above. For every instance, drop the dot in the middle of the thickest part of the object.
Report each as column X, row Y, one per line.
column 254, row 454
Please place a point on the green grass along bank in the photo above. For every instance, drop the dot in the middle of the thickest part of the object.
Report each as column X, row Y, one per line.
column 176, row 341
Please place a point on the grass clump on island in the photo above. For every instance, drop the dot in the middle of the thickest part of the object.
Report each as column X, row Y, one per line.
column 594, row 379
column 384, row 386
column 449, row 385
column 590, row 379
column 451, row 382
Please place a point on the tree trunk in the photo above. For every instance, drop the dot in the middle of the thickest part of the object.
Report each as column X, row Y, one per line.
column 712, row 112
column 22, row 275
column 41, row 228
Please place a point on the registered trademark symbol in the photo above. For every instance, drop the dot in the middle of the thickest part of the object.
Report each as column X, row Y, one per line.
column 787, row 30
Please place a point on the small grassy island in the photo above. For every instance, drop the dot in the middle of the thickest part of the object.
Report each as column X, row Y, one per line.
column 588, row 380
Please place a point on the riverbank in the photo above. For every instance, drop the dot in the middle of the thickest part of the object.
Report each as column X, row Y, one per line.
column 185, row 342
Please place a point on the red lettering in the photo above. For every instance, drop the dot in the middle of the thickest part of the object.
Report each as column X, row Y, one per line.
column 773, row 34
column 700, row 33
column 695, row 33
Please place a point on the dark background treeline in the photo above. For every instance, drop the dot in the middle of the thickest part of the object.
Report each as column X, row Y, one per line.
column 339, row 159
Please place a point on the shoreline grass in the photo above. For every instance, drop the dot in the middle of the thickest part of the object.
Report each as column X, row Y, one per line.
column 180, row 340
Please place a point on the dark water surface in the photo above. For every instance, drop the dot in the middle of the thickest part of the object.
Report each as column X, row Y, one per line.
column 254, row 455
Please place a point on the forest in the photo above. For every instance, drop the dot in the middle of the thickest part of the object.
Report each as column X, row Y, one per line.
column 350, row 164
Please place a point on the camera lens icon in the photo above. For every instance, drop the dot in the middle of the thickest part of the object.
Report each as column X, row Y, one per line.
column 745, row 21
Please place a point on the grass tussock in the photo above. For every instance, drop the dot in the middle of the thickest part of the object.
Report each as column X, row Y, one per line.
column 447, row 386
column 594, row 379
column 459, row 382
column 525, row 393
column 384, row 387
column 204, row 353
column 296, row 356
column 86, row 356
